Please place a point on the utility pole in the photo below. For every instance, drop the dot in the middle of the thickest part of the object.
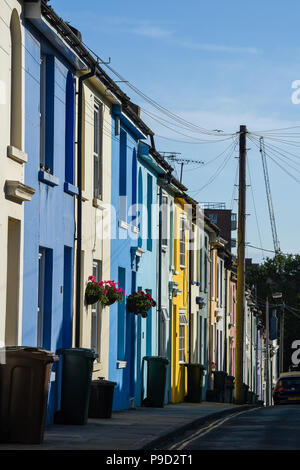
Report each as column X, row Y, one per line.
column 267, row 355
column 240, row 311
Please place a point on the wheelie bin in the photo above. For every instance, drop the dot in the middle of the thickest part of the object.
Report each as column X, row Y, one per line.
column 101, row 398
column 156, row 380
column 195, row 373
column 24, row 386
column 229, row 388
column 219, row 384
column 77, row 369
column 245, row 390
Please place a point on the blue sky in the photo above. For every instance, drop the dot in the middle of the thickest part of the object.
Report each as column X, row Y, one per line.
column 218, row 65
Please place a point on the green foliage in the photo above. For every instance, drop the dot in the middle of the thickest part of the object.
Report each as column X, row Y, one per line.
column 279, row 274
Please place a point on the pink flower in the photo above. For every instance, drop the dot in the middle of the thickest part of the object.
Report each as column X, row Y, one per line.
column 92, row 278
column 105, row 292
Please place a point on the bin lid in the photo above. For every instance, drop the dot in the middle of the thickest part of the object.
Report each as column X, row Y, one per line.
column 103, row 382
column 156, row 358
column 30, row 351
column 85, row 352
column 220, row 372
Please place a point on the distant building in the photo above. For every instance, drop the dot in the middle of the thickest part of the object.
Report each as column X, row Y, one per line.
column 224, row 218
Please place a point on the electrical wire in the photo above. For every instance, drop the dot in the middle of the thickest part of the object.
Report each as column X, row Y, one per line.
column 155, row 104
column 254, row 205
column 219, row 169
column 271, row 251
column 276, row 162
column 234, row 186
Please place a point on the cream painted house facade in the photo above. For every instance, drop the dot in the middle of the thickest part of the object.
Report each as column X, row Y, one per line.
column 13, row 159
column 96, row 214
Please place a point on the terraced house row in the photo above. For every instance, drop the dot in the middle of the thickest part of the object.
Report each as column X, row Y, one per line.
column 85, row 193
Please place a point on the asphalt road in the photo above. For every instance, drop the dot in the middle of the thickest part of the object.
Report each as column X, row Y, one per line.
column 273, row 428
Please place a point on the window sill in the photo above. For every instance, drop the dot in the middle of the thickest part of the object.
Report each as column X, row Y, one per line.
column 17, row 155
column 18, row 192
column 71, row 189
column 134, row 228
column 84, row 196
column 98, row 203
column 48, row 178
column 121, row 364
column 182, row 266
column 123, row 224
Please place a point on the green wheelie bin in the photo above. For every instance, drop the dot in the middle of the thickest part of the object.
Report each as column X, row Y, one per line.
column 77, row 369
column 156, row 380
column 195, row 373
column 24, row 385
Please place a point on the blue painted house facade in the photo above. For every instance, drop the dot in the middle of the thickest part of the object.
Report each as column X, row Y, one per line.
column 125, row 255
column 147, row 329
column 49, row 224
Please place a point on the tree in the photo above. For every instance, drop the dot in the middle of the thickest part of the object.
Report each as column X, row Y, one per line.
column 279, row 274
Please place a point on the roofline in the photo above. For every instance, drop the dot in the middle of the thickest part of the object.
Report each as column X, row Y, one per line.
column 76, row 44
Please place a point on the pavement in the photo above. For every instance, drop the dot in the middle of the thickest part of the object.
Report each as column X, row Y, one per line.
column 140, row 428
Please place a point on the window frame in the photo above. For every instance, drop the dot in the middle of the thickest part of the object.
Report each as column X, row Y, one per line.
column 98, row 152
column 182, row 242
column 96, row 313
column 183, row 322
column 165, row 220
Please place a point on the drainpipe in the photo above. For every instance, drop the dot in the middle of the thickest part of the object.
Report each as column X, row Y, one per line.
column 79, row 205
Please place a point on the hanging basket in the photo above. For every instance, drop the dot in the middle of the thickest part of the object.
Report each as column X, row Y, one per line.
column 107, row 304
column 91, row 299
column 132, row 307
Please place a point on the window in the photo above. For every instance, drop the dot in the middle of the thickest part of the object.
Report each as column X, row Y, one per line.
column 42, row 111
column 149, row 211
column 182, row 241
column 213, row 218
column 47, row 92
column 140, row 208
column 182, row 332
column 206, row 261
column 70, row 129
column 123, row 177
column 165, row 220
column 134, row 186
column 98, row 149
column 96, row 312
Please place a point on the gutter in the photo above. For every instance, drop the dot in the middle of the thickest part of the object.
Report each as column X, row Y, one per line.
column 33, row 13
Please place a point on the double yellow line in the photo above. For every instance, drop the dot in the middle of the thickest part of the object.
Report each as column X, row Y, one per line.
column 216, row 424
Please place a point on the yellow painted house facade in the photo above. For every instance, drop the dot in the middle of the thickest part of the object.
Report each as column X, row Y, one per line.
column 180, row 314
